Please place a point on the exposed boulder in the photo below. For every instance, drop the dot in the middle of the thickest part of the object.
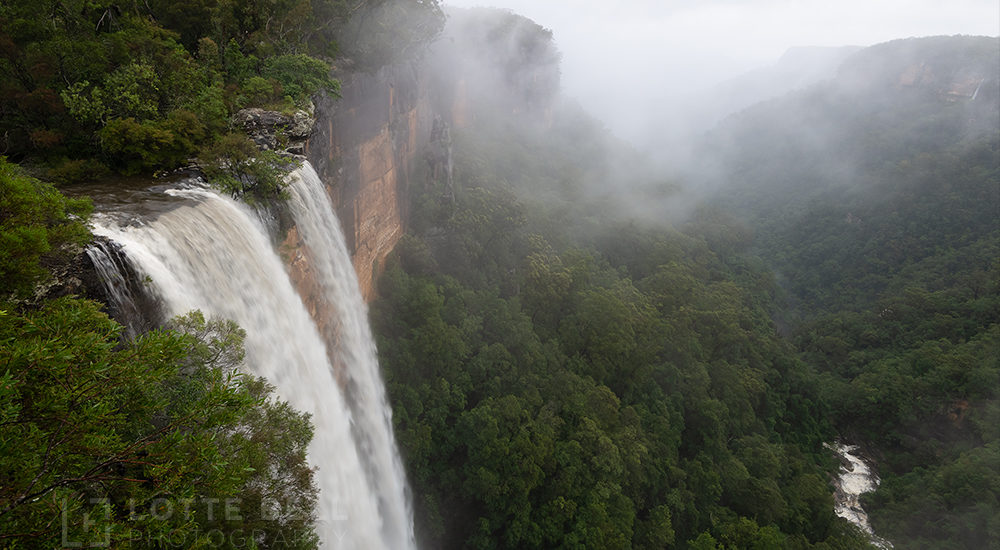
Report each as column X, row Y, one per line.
column 277, row 131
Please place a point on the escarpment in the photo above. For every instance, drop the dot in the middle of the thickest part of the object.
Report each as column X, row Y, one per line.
column 363, row 147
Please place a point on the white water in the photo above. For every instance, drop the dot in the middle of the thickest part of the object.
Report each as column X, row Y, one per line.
column 212, row 254
column 851, row 483
column 121, row 292
column 356, row 354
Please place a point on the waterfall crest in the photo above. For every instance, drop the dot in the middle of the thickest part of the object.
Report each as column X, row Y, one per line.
column 213, row 254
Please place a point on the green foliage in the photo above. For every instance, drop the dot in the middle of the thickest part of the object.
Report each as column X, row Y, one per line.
column 76, row 171
column 144, row 442
column 571, row 385
column 136, row 146
column 624, row 431
column 209, row 107
column 84, row 102
column 258, row 90
column 143, row 439
column 235, row 165
column 238, row 67
column 121, row 82
column 132, row 91
column 36, row 223
column 299, row 75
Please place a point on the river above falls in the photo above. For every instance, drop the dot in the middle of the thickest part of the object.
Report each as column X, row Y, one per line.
column 854, row 479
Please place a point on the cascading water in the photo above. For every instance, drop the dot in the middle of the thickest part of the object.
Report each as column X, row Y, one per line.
column 855, row 479
column 355, row 355
column 212, row 254
column 126, row 299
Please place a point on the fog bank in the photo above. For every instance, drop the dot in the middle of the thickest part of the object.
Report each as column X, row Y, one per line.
column 633, row 64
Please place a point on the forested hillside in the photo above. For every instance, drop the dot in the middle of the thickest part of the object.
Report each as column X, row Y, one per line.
column 565, row 373
column 622, row 389
column 875, row 200
column 562, row 376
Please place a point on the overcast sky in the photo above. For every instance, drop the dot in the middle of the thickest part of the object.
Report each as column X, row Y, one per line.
column 638, row 50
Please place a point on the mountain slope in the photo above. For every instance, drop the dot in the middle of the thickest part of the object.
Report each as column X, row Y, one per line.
column 874, row 198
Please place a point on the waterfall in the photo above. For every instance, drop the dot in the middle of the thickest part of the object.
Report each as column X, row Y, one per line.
column 213, row 254
column 355, row 355
column 127, row 300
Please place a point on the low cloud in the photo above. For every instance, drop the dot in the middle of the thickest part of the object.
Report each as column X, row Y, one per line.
column 627, row 62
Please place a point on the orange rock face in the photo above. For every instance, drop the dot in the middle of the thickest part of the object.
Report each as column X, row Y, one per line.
column 363, row 149
column 378, row 220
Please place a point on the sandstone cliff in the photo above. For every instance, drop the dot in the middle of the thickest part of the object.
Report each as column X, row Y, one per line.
column 363, row 147
column 365, row 144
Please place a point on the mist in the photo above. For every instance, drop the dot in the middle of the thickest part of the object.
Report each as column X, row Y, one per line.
column 641, row 66
column 667, row 86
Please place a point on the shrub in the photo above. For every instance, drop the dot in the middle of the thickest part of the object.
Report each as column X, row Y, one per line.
column 300, row 75
column 35, row 222
column 147, row 145
column 234, row 165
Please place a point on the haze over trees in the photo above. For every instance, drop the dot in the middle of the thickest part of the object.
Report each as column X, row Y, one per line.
column 886, row 242
column 563, row 373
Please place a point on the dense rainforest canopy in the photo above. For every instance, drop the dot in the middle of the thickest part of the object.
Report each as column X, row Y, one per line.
column 565, row 379
column 567, row 374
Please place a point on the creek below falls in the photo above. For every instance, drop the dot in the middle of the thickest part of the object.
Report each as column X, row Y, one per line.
column 855, row 478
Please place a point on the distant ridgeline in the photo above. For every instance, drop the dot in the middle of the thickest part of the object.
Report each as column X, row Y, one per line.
column 887, row 103
column 851, row 182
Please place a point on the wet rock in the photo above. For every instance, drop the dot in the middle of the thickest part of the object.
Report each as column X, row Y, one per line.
column 127, row 298
column 72, row 274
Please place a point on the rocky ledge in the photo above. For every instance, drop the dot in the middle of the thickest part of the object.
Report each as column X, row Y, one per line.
column 277, row 131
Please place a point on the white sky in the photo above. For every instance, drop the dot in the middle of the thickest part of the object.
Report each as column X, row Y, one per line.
column 646, row 49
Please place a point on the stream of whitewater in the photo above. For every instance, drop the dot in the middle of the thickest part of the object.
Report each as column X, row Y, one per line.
column 211, row 253
column 854, row 479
